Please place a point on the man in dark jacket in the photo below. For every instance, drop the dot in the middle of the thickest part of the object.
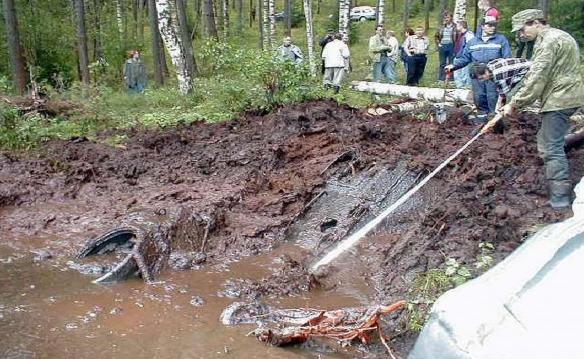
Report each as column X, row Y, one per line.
column 480, row 50
column 135, row 73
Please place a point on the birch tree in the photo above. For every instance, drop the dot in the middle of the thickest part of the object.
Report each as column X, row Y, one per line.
column 17, row 61
column 459, row 11
column 168, row 30
column 120, row 18
column 309, row 35
column 272, row 17
column 380, row 11
column 157, row 53
column 225, row 9
column 344, row 8
column 81, row 41
column 266, row 24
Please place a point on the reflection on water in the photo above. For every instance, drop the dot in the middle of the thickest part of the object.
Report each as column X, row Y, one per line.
column 48, row 310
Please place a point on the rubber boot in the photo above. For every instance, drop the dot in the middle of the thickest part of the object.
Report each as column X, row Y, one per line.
column 337, row 89
column 560, row 194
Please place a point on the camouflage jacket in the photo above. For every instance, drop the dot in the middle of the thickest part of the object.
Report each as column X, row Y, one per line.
column 377, row 45
column 554, row 77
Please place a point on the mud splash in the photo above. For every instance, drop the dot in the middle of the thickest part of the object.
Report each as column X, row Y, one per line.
column 307, row 174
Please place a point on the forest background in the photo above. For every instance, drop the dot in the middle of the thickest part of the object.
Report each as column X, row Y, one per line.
column 231, row 44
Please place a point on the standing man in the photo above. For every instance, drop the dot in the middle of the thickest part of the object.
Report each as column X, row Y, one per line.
column 464, row 35
column 330, row 33
column 444, row 39
column 393, row 55
column 378, row 49
column 488, row 8
column 416, row 47
column 481, row 50
column 135, row 73
column 289, row 51
column 554, row 79
column 336, row 58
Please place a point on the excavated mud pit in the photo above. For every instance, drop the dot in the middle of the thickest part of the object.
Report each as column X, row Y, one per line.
column 236, row 212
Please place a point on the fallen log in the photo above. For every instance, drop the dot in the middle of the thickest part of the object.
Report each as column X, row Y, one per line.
column 420, row 93
column 433, row 94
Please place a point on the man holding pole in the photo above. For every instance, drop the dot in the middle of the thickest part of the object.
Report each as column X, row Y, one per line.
column 554, row 79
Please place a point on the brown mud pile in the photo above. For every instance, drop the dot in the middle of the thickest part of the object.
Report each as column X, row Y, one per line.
column 233, row 189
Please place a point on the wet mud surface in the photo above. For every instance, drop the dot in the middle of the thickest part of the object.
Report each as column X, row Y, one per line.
column 307, row 174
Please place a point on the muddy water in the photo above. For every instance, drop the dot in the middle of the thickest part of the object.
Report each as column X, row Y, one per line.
column 50, row 311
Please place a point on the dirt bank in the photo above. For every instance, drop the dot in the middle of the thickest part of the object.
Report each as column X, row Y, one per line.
column 246, row 181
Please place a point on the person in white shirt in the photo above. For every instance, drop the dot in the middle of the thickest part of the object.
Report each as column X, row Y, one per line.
column 416, row 47
column 336, row 59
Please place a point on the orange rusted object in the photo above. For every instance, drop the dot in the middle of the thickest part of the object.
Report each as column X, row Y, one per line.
column 343, row 325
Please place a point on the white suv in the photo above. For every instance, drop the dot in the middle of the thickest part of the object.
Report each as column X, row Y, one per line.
column 362, row 13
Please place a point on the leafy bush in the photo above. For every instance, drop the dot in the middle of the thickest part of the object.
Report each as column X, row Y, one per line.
column 252, row 80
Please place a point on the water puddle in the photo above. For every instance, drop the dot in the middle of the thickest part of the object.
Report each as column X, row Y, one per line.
column 50, row 310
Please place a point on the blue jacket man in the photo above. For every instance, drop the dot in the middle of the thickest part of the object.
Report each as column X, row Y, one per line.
column 481, row 50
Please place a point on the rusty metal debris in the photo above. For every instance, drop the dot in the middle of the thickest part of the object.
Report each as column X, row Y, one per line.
column 150, row 249
column 343, row 325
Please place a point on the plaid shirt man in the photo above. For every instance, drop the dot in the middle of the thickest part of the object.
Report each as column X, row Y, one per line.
column 506, row 73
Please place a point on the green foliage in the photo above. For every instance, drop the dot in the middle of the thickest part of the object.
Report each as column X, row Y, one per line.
column 429, row 285
column 297, row 14
column 5, row 85
column 256, row 80
column 23, row 131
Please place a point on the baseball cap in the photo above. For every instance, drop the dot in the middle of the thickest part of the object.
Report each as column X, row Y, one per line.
column 519, row 19
column 490, row 20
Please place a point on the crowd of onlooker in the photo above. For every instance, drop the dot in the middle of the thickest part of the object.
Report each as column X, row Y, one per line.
column 459, row 50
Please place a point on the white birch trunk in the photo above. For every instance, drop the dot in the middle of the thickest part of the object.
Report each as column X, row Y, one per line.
column 341, row 12
column 225, row 8
column 459, row 11
column 266, row 25
column 175, row 48
column 120, row 17
column 406, row 107
column 309, row 35
column 344, row 10
column 381, row 11
column 272, row 16
column 419, row 93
